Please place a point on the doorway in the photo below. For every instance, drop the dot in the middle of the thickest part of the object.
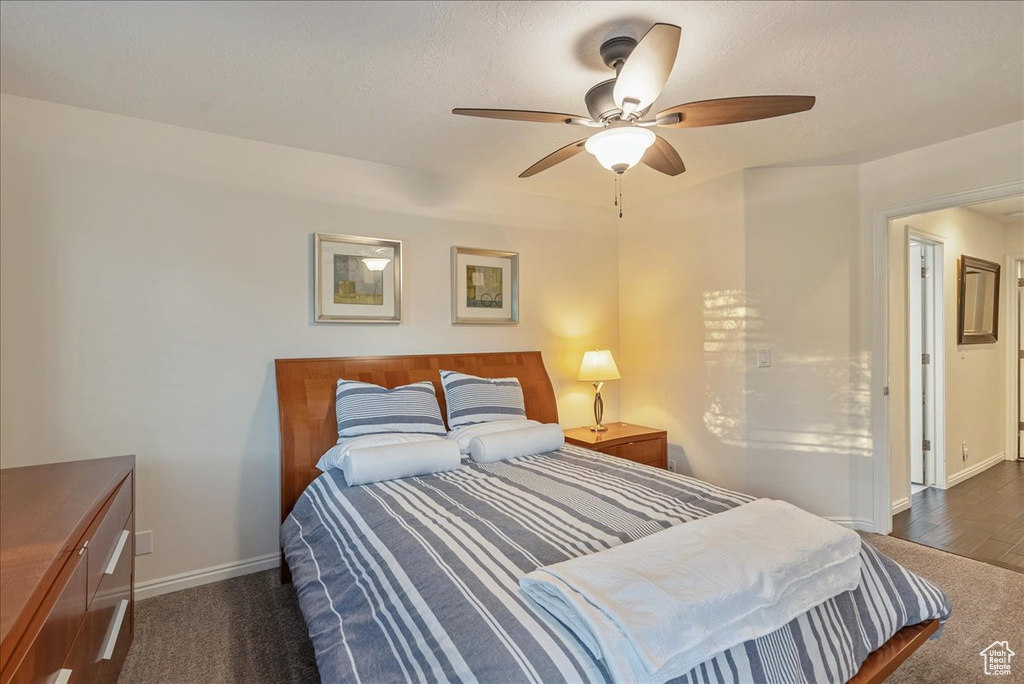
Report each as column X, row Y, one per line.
column 925, row 361
column 957, row 481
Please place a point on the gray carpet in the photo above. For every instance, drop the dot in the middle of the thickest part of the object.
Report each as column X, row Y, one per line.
column 250, row 629
column 988, row 605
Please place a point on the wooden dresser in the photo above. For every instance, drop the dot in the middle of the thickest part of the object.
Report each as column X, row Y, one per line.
column 67, row 566
column 631, row 442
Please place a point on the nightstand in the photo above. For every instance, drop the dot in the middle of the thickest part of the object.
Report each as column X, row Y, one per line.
column 631, row 442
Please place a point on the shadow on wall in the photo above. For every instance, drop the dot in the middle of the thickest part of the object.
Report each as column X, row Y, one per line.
column 803, row 402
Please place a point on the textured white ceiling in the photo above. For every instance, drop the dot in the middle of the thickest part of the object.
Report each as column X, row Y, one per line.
column 1006, row 211
column 377, row 81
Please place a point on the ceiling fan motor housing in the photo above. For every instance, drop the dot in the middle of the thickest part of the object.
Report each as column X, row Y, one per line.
column 601, row 98
column 615, row 51
column 601, row 101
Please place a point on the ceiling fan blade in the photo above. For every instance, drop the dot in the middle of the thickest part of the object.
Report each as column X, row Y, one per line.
column 736, row 109
column 520, row 115
column 556, row 157
column 648, row 67
column 661, row 156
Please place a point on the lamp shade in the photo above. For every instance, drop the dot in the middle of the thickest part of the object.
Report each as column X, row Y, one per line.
column 598, row 366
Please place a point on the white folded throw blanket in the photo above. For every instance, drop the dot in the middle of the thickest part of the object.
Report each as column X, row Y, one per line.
column 655, row 608
column 526, row 442
column 395, row 461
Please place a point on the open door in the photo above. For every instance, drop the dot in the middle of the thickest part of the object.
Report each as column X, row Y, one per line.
column 915, row 380
column 924, row 336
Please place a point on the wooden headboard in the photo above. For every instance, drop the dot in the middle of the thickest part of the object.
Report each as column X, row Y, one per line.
column 306, row 388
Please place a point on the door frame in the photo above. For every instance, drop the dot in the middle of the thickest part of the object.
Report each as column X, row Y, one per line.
column 1012, row 329
column 937, row 387
column 881, row 495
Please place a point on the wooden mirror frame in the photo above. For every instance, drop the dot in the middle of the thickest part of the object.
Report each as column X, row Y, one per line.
column 978, row 265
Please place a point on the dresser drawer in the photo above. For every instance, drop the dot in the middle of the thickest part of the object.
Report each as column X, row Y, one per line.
column 43, row 662
column 110, row 539
column 649, row 451
column 102, row 645
column 103, row 642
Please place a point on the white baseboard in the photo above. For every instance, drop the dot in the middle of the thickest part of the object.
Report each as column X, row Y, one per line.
column 853, row 523
column 900, row 505
column 195, row 578
column 968, row 473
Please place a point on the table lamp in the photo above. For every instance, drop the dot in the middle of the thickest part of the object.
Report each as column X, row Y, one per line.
column 598, row 367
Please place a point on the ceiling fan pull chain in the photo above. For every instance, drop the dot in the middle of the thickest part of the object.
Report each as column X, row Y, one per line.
column 619, row 179
column 616, row 188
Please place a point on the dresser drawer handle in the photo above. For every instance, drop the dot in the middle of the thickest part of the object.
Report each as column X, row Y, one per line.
column 112, row 565
column 115, row 630
column 63, row 677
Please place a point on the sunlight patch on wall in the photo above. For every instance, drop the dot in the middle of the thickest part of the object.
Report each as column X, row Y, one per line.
column 728, row 316
column 786, row 410
column 779, row 407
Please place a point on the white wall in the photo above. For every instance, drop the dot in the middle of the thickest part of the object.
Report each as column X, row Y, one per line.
column 807, row 424
column 975, row 374
column 151, row 274
column 682, row 327
column 762, row 259
column 1013, row 237
column 793, row 248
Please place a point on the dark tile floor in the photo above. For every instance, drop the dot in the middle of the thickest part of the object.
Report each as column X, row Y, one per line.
column 981, row 518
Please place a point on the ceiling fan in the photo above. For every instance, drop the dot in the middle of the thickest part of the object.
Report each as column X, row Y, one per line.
column 619, row 106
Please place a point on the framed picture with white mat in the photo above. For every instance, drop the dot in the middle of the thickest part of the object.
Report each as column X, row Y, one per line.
column 485, row 286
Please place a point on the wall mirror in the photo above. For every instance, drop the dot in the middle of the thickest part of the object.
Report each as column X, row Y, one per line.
column 977, row 301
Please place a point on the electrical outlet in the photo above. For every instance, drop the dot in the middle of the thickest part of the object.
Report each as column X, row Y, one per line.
column 966, row 454
column 672, row 465
column 143, row 543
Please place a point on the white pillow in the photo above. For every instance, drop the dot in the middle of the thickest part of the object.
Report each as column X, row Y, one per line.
column 396, row 461
column 335, row 456
column 503, row 446
column 465, row 434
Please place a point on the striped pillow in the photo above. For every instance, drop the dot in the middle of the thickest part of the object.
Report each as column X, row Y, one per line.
column 365, row 409
column 481, row 400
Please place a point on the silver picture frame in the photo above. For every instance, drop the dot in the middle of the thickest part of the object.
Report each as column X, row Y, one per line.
column 354, row 252
column 499, row 303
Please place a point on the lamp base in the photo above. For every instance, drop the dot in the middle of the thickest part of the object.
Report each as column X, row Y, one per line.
column 598, row 409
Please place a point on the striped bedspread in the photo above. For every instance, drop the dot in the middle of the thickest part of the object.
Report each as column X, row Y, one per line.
column 418, row 579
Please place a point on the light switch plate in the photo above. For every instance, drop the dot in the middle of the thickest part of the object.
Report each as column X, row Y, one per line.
column 143, row 543
column 764, row 358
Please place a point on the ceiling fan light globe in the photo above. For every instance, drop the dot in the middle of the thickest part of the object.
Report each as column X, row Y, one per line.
column 618, row 149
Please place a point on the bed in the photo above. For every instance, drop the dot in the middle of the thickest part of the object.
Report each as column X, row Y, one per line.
column 417, row 579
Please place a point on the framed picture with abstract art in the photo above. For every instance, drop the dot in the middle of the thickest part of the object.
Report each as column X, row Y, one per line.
column 358, row 279
column 485, row 286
